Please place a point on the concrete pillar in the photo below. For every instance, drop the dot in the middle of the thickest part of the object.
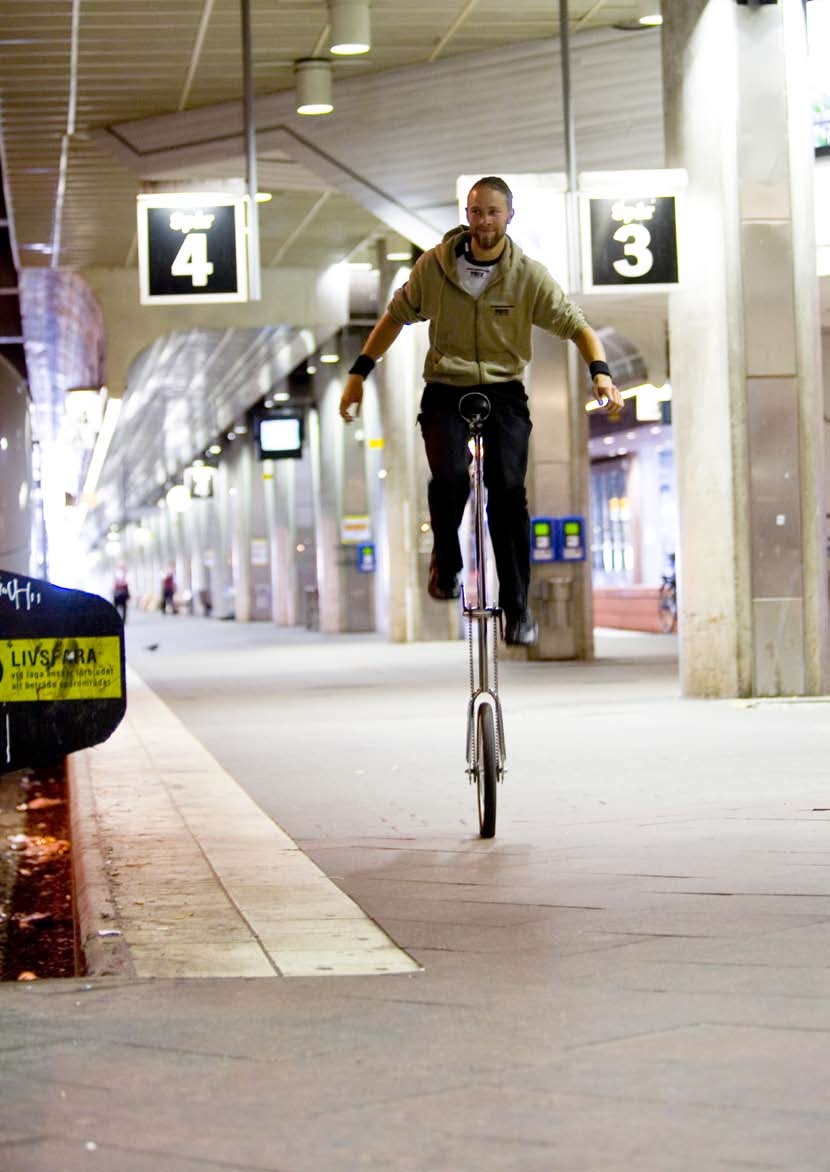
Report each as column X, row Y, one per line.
column 745, row 355
column 240, row 512
column 557, row 481
column 338, row 489
column 280, row 484
column 180, row 527
column 325, row 449
column 197, row 519
column 220, row 548
column 408, row 614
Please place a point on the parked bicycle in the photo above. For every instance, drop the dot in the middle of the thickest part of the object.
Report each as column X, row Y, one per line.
column 667, row 603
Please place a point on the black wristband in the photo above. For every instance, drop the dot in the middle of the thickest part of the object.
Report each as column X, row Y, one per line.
column 362, row 365
column 599, row 367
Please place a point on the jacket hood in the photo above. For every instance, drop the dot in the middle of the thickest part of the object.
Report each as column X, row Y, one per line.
column 450, row 246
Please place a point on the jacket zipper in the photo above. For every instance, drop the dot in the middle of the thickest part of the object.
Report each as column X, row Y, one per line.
column 475, row 322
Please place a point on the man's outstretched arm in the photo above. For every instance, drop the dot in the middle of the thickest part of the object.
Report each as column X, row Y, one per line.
column 588, row 344
column 381, row 338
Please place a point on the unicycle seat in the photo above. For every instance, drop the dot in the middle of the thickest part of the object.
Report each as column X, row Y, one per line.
column 474, row 407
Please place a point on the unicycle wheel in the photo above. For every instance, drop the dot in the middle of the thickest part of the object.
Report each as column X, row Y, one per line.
column 486, row 770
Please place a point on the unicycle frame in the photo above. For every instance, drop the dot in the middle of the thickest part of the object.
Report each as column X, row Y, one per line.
column 487, row 620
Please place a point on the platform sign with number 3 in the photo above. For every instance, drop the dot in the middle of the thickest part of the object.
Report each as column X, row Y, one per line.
column 629, row 224
column 191, row 248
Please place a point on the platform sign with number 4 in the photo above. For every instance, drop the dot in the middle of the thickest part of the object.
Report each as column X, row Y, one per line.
column 630, row 230
column 191, row 248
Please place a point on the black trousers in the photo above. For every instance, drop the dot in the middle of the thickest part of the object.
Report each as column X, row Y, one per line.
column 506, row 435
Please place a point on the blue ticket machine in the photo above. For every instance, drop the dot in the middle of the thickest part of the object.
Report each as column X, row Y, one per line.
column 542, row 539
column 570, row 544
column 366, row 557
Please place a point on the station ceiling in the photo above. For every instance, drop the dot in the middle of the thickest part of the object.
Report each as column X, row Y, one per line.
column 101, row 100
column 71, row 67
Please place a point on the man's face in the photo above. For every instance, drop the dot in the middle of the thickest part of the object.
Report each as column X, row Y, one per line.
column 488, row 216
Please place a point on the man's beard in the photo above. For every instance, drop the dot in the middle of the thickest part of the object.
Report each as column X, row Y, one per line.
column 488, row 238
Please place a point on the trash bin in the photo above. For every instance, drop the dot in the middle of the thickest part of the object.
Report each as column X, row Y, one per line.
column 312, row 608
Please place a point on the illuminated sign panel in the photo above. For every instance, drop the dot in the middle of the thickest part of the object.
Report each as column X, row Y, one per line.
column 633, row 242
column 280, row 437
column 191, row 249
column 629, row 223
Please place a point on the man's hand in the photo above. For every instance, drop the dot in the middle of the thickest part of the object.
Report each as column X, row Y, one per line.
column 352, row 397
column 607, row 395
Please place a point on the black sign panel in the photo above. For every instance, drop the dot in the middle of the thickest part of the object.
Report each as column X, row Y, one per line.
column 190, row 252
column 633, row 242
column 62, row 677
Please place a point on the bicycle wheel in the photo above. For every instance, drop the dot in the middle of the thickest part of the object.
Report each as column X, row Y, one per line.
column 486, row 770
column 667, row 610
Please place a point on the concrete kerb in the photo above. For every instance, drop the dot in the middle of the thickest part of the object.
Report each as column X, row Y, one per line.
column 104, row 950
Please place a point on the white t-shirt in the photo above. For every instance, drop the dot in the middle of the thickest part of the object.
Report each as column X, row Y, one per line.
column 475, row 275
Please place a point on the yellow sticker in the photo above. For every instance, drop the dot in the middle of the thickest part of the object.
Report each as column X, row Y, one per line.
column 82, row 668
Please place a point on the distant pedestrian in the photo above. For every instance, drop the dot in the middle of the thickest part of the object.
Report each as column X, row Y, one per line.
column 121, row 593
column 168, row 592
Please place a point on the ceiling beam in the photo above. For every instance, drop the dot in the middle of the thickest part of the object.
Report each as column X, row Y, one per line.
column 453, row 29
column 196, row 52
column 301, row 227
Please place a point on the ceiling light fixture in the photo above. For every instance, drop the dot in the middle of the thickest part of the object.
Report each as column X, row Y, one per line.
column 312, row 76
column 649, row 12
column 349, row 27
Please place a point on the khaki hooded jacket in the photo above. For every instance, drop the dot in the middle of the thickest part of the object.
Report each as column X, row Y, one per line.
column 485, row 340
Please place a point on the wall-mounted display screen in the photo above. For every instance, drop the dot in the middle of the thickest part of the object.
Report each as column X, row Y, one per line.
column 280, row 437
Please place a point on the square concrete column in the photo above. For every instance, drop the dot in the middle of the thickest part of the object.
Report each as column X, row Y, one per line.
column 745, row 354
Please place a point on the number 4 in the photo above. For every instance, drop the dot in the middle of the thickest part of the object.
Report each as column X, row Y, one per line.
column 191, row 259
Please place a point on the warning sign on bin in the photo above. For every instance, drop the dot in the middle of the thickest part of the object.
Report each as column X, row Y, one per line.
column 60, row 669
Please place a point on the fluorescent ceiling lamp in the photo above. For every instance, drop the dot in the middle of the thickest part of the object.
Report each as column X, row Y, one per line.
column 312, row 76
column 350, row 27
column 399, row 255
column 329, row 358
column 102, row 445
column 178, row 499
column 649, row 12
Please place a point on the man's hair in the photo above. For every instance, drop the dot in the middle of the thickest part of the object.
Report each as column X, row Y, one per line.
column 496, row 184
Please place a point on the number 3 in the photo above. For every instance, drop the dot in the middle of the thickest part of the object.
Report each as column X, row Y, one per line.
column 191, row 259
column 636, row 239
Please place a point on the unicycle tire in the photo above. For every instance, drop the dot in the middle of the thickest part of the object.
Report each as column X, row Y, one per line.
column 486, row 770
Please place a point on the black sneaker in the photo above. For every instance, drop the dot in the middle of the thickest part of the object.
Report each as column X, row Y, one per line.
column 443, row 589
column 522, row 631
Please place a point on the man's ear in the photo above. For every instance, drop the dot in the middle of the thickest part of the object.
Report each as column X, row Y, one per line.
column 512, row 214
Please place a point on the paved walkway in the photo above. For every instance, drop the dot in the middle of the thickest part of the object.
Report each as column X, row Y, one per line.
column 632, row 976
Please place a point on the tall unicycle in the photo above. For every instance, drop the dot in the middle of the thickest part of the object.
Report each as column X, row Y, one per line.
column 486, row 753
